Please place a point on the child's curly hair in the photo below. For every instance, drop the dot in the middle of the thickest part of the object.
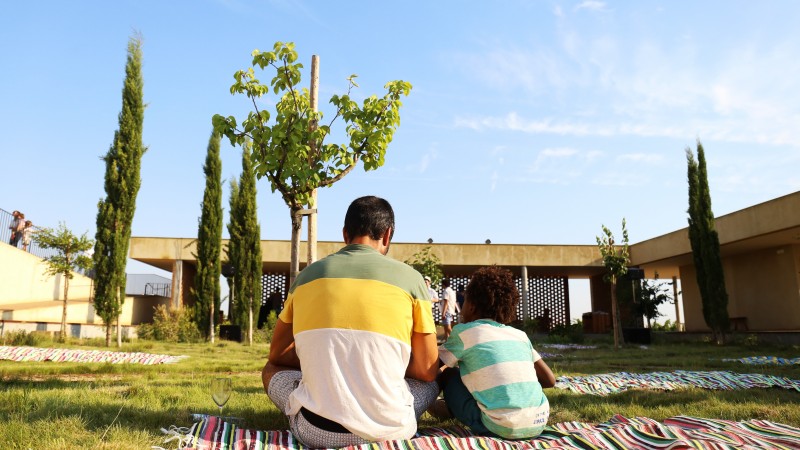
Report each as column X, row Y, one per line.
column 493, row 294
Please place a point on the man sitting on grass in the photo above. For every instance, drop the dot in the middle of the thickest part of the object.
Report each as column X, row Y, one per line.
column 359, row 325
column 494, row 380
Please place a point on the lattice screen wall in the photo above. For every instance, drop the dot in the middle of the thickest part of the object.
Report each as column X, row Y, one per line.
column 271, row 282
column 550, row 293
column 543, row 293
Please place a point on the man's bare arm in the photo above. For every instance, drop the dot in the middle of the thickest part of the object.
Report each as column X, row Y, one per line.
column 424, row 363
column 282, row 353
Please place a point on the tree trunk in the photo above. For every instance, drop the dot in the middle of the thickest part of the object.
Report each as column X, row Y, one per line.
column 616, row 322
column 63, row 336
column 108, row 335
column 297, row 224
column 250, row 324
column 120, row 300
column 211, row 322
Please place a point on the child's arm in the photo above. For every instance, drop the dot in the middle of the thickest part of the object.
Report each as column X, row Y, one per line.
column 544, row 374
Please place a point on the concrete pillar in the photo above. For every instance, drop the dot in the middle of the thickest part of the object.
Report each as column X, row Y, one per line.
column 177, row 283
column 677, row 307
column 526, row 306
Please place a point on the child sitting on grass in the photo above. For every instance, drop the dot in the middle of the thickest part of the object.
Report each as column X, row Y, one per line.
column 494, row 378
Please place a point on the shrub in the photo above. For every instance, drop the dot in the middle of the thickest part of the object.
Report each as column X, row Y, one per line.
column 572, row 333
column 264, row 334
column 170, row 325
column 667, row 326
column 23, row 338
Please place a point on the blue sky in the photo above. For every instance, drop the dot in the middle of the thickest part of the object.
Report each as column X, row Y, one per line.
column 530, row 122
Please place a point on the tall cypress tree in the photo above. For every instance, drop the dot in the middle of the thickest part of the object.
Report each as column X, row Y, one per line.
column 209, row 243
column 252, row 263
column 122, row 181
column 705, row 247
column 246, row 232
column 232, row 249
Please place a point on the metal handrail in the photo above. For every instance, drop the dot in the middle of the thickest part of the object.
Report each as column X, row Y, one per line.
column 6, row 218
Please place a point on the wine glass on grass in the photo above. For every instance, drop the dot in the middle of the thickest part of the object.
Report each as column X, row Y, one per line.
column 221, row 392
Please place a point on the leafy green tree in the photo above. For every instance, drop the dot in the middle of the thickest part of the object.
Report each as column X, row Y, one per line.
column 209, row 243
column 705, row 247
column 70, row 256
column 650, row 295
column 616, row 259
column 244, row 248
column 290, row 150
column 428, row 264
column 122, row 181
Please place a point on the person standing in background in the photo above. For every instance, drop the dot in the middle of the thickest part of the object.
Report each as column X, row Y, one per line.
column 16, row 227
column 450, row 308
column 26, row 235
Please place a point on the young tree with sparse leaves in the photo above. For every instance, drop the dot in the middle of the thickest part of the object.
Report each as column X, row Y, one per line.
column 615, row 259
column 122, row 181
column 209, row 243
column 705, row 247
column 70, row 256
column 428, row 264
column 289, row 148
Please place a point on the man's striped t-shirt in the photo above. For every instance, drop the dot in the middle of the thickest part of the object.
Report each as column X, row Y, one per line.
column 496, row 365
column 352, row 315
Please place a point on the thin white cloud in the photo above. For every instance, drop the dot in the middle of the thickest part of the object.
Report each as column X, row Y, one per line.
column 647, row 158
column 592, row 5
column 721, row 129
column 745, row 93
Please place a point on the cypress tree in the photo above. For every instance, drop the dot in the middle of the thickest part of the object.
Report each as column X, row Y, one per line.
column 232, row 249
column 704, row 240
column 247, row 285
column 122, row 181
column 209, row 243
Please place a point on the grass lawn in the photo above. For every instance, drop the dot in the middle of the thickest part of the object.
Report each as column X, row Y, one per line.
column 90, row 405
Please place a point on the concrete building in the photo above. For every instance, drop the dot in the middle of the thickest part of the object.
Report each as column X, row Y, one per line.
column 760, row 248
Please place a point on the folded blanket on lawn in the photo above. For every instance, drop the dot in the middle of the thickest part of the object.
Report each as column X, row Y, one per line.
column 765, row 360
column 568, row 346
column 611, row 383
column 71, row 355
column 681, row 432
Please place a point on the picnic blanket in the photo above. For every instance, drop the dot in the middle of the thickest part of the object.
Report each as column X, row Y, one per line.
column 681, row 432
column 568, row 346
column 72, row 355
column 611, row 383
column 765, row 360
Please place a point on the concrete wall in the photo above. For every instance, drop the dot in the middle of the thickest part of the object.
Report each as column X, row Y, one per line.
column 23, row 280
column 763, row 286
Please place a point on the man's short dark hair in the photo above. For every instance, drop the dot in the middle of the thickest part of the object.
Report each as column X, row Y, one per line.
column 368, row 216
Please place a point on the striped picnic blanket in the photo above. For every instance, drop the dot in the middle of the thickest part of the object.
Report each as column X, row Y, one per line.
column 681, row 432
column 72, row 355
column 611, row 383
column 765, row 360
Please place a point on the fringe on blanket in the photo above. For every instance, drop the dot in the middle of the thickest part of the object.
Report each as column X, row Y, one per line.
column 681, row 432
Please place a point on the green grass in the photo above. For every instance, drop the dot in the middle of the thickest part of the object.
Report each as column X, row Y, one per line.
column 69, row 405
